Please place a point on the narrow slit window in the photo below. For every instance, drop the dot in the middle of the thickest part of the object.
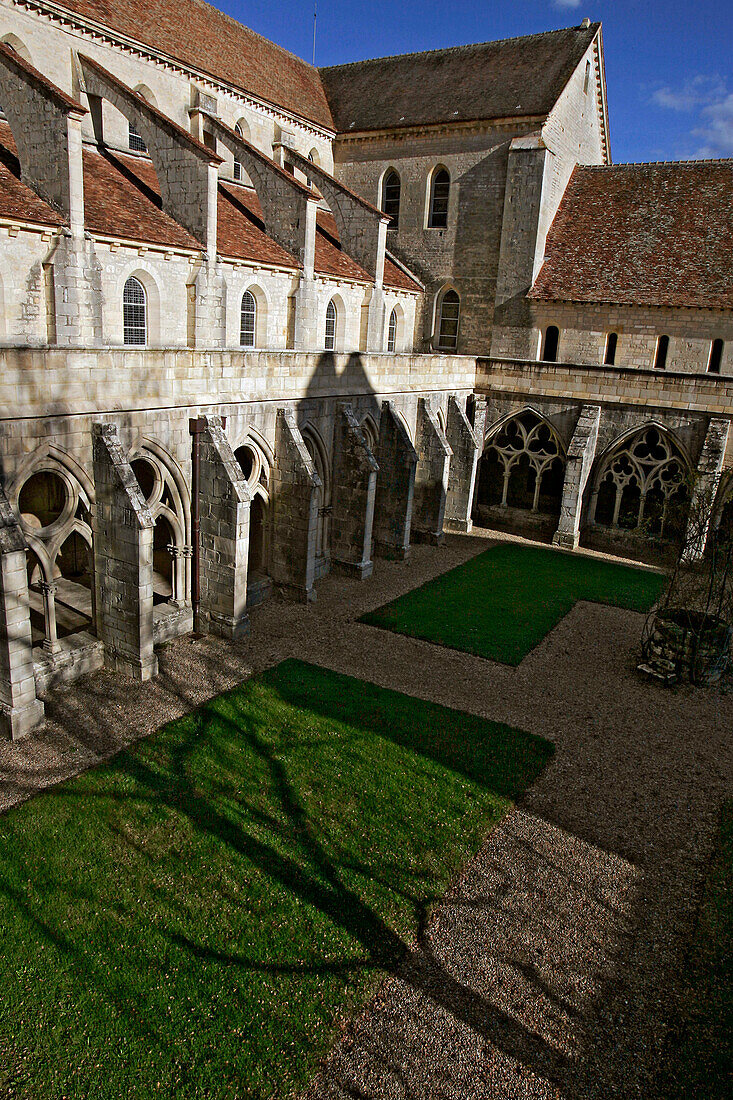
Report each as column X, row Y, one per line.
column 135, row 140
column 449, row 315
column 660, row 358
column 439, row 195
column 238, row 164
column 550, row 344
column 392, row 331
column 248, row 321
column 586, row 80
column 134, row 312
column 391, row 198
column 716, row 357
column 611, row 345
column 330, row 341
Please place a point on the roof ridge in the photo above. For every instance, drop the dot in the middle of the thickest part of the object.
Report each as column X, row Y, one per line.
column 652, row 163
column 256, row 34
column 458, row 49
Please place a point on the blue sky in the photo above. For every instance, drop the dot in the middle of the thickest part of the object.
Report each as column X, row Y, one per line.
column 669, row 63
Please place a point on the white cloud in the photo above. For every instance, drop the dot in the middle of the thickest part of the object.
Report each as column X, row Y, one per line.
column 716, row 131
column 567, row 3
column 693, row 94
column 707, row 99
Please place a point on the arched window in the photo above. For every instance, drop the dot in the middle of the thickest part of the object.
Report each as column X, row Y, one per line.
column 248, row 320
column 392, row 331
column 391, row 198
column 660, row 356
column 716, row 357
column 549, row 344
column 134, row 312
column 586, row 79
column 610, row 353
column 331, row 318
column 240, row 128
column 450, row 308
column 439, row 194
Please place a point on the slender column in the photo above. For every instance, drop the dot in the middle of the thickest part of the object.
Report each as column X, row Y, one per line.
column 50, row 642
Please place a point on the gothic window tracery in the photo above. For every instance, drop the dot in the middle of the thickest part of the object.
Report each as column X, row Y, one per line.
column 54, row 511
column 642, row 483
column 523, row 466
column 171, row 547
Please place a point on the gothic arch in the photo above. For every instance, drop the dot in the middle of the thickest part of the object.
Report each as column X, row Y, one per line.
column 522, row 465
column 317, row 450
column 162, row 484
column 53, row 497
column 640, row 483
column 371, row 430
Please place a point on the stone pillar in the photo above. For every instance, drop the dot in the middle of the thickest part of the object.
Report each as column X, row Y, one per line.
column 466, row 443
column 705, row 489
column 393, row 500
column 224, row 504
column 431, row 476
column 376, row 318
column 354, row 485
column 210, row 306
column 77, row 292
column 294, row 497
column 581, row 453
column 307, row 334
column 20, row 710
column 123, row 560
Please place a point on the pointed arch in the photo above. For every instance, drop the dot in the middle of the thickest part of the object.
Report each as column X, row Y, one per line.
column 641, row 483
column 319, row 454
column 447, row 318
column 522, row 465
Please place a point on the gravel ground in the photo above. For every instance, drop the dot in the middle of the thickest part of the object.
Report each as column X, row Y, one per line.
column 549, row 970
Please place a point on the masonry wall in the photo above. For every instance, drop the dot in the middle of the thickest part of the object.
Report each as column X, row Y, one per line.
column 585, row 326
column 466, row 253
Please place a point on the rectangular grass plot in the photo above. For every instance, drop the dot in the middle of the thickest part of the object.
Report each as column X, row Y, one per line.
column 502, row 603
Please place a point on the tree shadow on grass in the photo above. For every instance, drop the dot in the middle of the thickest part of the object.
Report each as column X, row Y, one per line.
column 298, row 853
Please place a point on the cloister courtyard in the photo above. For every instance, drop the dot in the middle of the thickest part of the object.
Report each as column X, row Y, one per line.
column 430, row 836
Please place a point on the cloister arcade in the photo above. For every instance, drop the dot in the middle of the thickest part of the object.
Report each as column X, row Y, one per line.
column 521, row 471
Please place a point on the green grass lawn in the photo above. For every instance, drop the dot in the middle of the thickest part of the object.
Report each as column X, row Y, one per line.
column 501, row 604
column 197, row 917
column 698, row 1057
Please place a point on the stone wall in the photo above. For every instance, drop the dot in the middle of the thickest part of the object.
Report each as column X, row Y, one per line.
column 585, row 326
column 397, row 460
column 354, row 485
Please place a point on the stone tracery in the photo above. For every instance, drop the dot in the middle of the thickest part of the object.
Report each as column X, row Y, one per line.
column 642, row 482
column 522, row 466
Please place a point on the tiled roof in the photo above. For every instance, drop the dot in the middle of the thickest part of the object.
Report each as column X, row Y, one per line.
column 330, row 260
column 122, row 199
column 396, row 277
column 643, row 234
column 206, row 39
column 505, row 79
column 241, row 230
column 17, row 200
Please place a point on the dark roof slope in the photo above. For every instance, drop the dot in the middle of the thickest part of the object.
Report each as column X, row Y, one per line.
column 206, row 39
column 643, row 234
column 505, row 79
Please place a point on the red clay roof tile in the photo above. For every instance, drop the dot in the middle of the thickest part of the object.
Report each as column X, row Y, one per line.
column 643, row 234
column 17, row 201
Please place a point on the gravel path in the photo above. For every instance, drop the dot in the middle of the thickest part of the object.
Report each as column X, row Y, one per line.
column 549, row 968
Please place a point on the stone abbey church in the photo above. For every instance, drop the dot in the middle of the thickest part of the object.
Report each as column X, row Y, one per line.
column 259, row 321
